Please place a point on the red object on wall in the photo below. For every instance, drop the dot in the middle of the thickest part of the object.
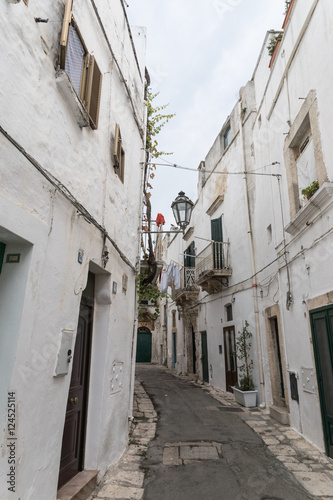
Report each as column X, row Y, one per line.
column 160, row 220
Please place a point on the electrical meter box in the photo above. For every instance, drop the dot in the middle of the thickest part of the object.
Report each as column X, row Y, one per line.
column 65, row 353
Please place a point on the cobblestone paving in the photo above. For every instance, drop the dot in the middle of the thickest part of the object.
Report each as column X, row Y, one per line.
column 124, row 480
column 310, row 466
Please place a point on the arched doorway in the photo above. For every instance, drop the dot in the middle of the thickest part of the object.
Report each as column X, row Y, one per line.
column 143, row 348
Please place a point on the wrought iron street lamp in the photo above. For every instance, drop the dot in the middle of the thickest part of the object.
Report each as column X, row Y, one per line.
column 182, row 210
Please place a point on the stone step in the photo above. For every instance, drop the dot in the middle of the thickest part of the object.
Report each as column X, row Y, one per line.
column 79, row 487
column 280, row 414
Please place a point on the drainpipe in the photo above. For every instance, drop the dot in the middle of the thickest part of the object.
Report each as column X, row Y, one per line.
column 253, row 264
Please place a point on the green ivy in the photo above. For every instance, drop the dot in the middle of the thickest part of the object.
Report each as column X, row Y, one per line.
column 272, row 43
column 148, row 292
column 156, row 121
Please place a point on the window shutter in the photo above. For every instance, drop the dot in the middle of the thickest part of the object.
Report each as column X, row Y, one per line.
column 117, row 147
column 65, row 32
column 93, row 92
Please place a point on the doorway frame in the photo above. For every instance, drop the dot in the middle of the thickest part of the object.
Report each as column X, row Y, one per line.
column 270, row 314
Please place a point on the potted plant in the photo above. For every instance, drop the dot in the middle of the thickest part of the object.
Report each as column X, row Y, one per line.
column 245, row 392
column 310, row 190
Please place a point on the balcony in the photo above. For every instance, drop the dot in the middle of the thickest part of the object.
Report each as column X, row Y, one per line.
column 212, row 267
column 188, row 290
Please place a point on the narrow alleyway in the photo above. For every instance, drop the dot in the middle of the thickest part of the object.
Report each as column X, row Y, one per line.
column 202, row 445
column 202, row 451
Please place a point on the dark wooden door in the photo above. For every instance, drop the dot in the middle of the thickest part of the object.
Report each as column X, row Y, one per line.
column 143, row 347
column 72, row 453
column 204, row 357
column 230, row 357
column 322, row 334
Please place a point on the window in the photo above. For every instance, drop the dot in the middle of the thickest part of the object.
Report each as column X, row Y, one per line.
column 228, row 312
column 306, row 163
column 303, row 154
column 119, row 155
column 173, row 319
column 226, row 137
column 80, row 66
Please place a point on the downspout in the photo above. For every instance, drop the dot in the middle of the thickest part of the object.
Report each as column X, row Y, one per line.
column 253, row 264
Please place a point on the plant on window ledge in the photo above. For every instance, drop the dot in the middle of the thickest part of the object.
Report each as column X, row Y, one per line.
column 243, row 347
column 310, row 190
column 287, row 3
column 272, row 43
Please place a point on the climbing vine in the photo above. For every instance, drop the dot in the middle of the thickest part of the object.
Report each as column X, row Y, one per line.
column 156, row 120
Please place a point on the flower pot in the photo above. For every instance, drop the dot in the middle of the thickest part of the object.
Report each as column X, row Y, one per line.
column 245, row 398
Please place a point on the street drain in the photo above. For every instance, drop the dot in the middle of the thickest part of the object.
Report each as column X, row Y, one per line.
column 229, row 408
column 186, row 453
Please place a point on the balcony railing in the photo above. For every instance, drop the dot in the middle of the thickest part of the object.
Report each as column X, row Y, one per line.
column 188, row 288
column 213, row 259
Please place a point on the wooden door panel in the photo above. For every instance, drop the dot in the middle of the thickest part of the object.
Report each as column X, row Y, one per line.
column 230, row 357
column 74, row 428
column 322, row 331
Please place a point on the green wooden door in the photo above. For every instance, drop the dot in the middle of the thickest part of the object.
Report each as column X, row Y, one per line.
column 204, row 357
column 217, row 236
column 322, row 334
column 143, row 347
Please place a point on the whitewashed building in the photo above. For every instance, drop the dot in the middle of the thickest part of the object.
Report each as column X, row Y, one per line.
column 72, row 134
column 271, row 264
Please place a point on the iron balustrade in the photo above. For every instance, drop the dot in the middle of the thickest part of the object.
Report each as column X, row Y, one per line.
column 215, row 257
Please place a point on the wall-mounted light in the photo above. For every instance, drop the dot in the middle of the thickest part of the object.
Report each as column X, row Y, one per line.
column 182, row 210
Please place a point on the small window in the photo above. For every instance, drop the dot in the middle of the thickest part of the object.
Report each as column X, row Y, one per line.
column 226, row 137
column 228, row 312
column 220, row 349
column 80, row 66
column 269, row 234
column 173, row 319
column 119, row 155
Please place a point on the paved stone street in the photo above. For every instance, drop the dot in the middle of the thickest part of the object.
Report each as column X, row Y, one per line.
column 207, row 446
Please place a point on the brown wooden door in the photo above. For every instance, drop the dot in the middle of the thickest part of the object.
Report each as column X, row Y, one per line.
column 72, row 453
column 230, row 357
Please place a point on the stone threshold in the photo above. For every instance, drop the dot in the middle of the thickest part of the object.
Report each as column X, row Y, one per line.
column 79, row 487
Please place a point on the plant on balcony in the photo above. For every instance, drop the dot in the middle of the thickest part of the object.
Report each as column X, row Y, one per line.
column 310, row 190
column 272, row 43
column 148, row 292
column 286, row 3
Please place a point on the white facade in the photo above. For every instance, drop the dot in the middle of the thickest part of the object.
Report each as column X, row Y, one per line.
column 66, row 211
column 280, row 245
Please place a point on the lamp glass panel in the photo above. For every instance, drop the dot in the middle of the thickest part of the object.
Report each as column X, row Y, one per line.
column 182, row 211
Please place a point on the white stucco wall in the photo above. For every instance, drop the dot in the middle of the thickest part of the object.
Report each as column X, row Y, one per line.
column 41, row 295
column 271, row 103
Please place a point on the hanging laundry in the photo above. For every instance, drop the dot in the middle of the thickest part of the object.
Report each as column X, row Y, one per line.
column 170, row 277
column 160, row 220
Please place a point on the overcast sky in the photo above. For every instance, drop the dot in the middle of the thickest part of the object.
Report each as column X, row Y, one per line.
column 199, row 54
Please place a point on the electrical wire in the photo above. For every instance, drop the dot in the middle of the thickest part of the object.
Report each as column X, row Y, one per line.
column 67, row 194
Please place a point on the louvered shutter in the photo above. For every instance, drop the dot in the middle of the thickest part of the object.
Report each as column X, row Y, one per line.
column 93, row 91
column 117, row 147
column 65, row 32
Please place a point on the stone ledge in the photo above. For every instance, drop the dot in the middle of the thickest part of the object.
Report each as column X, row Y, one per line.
column 280, row 414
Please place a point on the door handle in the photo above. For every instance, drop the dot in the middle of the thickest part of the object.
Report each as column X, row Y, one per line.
column 73, row 400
